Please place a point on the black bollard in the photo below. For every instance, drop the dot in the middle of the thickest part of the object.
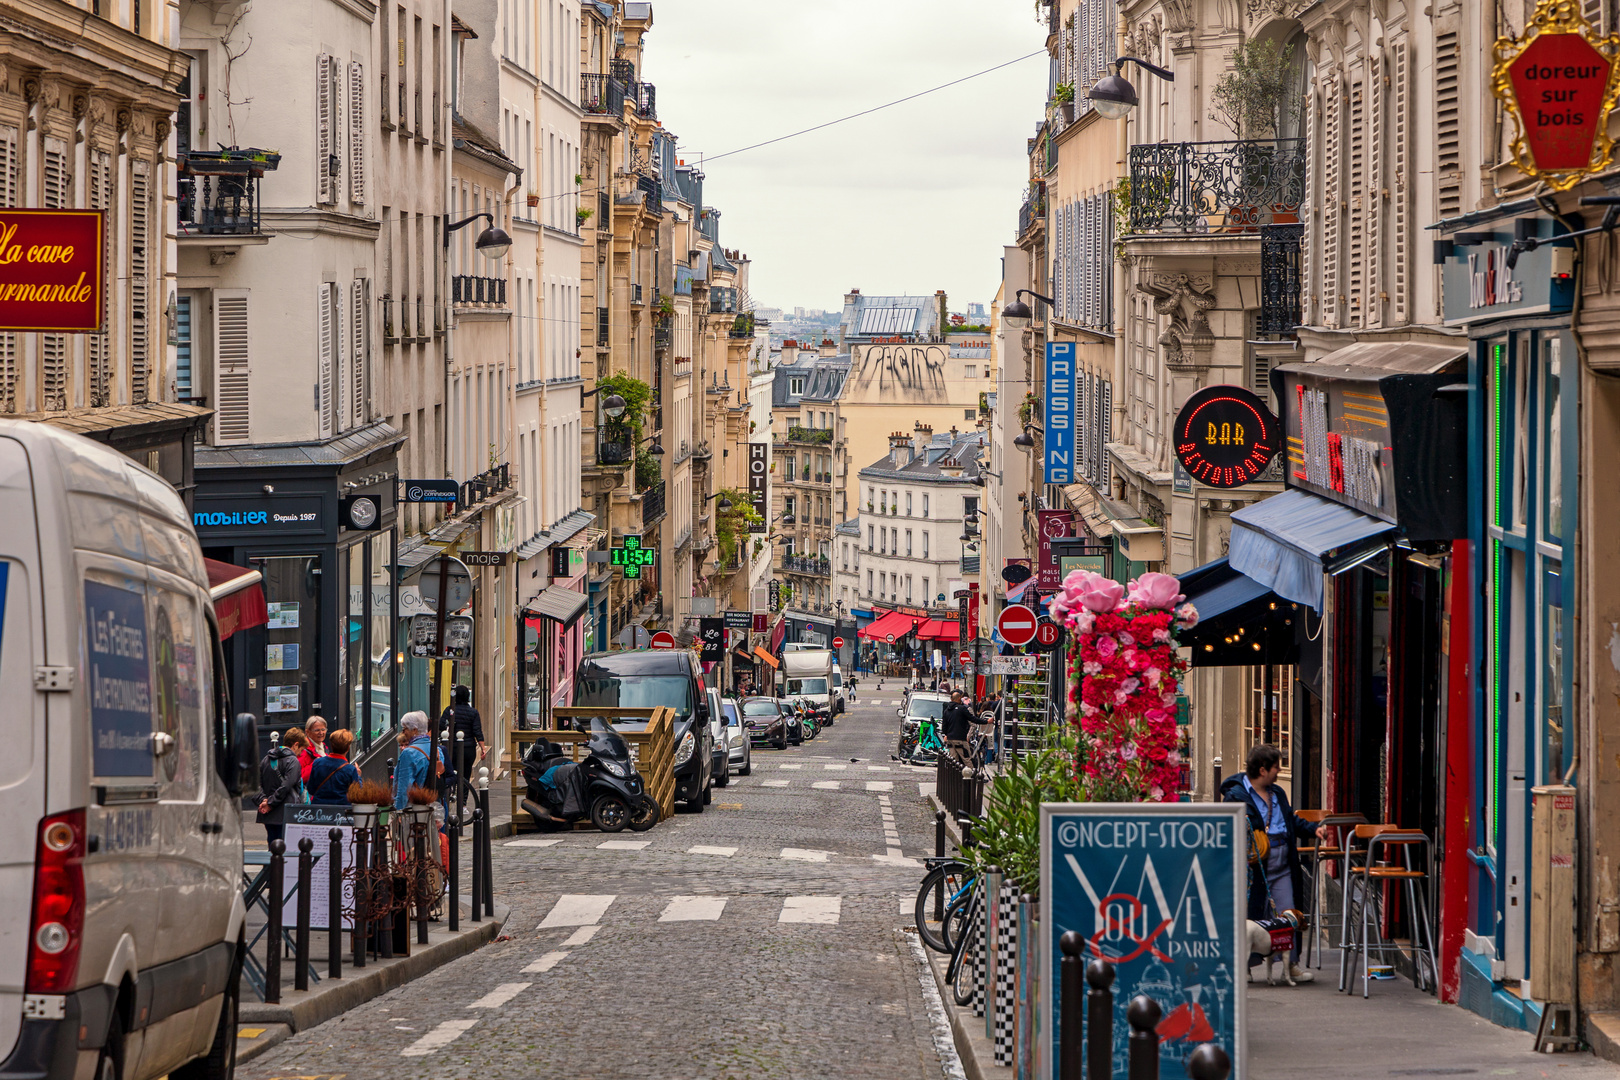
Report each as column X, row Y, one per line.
column 1071, row 1055
column 939, row 852
column 421, row 901
column 462, row 782
column 272, row 952
column 306, row 865
column 381, row 856
column 1143, row 1015
column 489, row 845
column 478, row 866
column 334, row 905
column 1209, row 1062
column 453, row 871
column 362, row 895
column 1099, row 1020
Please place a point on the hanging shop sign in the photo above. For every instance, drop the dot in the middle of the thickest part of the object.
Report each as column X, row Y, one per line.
column 1226, row 436
column 739, row 620
column 431, row 491
column 1053, row 525
column 759, row 479
column 1059, row 457
column 631, row 556
column 276, row 514
column 1558, row 82
column 51, row 270
column 711, row 640
column 1477, row 282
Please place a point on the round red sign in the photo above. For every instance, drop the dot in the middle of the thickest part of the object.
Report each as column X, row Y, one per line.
column 1226, row 436
column 838, row 643
column 1048, row 633
column 1016, row 624
column 966, row 657
column 663, row 640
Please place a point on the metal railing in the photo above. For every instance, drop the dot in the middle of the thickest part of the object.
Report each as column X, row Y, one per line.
column 957, row 793
column 601, row 95
column 601, row 326
column 809, row 435
column 663, row 335
column 1234, row 186
column 1033, row 210
column 613, row 453
column 646, row 99
column 654, row 192
column 652, row 505
column 217, row 203
column 807, row 564
column 468, row 289
column 1279, row 279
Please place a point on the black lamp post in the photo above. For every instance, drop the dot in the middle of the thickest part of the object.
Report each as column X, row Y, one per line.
column 1114, row 96
column 493, row 241
column 1017, row 314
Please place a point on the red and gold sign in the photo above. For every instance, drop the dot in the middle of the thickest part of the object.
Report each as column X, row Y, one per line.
column 51, row 270
column 1559, row 80
column 1225, row 436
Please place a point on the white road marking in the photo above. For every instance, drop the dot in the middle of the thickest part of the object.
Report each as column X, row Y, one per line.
column 581, row 936
column 774, row 783
column 573, row 910
column 908, row 904
column 894, row 858
column 792, row 766
column 804, row 854
column 880, row 785
column 925, row 790
column 811, row 909
column 694, row 909
column 622, row 845
column 702, row 849
column 534, row 841
column 833, row 768
column 501, row 995
column 548, row 961
column 878, row 768
column 443, row 1035
column 827, row 785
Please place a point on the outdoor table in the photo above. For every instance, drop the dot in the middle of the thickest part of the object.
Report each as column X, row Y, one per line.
column 255, row 886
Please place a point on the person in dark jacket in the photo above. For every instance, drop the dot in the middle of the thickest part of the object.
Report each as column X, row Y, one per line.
column 331, row 776
column 462, row 717
column 954, row 726
column 1276, row 882
column 281, row 781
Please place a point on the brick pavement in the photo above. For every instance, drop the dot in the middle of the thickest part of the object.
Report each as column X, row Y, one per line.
column 761, row 938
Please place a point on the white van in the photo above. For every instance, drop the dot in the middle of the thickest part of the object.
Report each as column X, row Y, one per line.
column 117, row 781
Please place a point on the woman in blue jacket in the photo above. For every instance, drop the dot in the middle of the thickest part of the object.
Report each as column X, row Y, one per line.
column 330, row 776
column 411, row 767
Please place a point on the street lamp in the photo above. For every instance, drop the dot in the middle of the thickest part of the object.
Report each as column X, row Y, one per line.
column 1024, row 441
column 1114, row 96
column 493, row 241
column 612, row 405
column 1017, row 314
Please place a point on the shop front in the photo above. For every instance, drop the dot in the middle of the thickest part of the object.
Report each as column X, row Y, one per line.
column 318, row 524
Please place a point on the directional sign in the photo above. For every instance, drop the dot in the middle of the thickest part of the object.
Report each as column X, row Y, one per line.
column 1048, row 635
column 838, row 643
column 1016, row 623
column 663, row 640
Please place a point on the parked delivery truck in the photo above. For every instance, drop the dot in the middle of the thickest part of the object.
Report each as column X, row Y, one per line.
column 807, row 674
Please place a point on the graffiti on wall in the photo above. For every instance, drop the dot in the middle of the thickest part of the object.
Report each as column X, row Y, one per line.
column 897, row 373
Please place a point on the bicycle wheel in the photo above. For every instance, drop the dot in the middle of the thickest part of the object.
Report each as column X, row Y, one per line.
column 939, row 887
column 959, row 920
column 965, row 980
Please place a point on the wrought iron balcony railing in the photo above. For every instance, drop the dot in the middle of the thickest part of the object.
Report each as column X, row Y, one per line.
column 646, row 99
column 1033, row 210
column 654, row 192
column 218, row 191
column 601, row 326
column 801, row 564
column 652, row 505
column 798, row 434
column 602, row 95
column 663, row 335
column 467, row 289
column 1279, row 279
column 1216, row 187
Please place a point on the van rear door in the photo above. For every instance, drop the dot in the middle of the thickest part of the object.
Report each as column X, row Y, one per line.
column 22, row 727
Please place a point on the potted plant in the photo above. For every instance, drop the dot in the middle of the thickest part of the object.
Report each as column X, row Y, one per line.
column 807, row 472
column 1256, row 96
column 582, row 215
column 534, row 197
column 371, row 801
column 1063, row 98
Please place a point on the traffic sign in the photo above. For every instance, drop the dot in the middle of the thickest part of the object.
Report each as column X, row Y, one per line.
column 663, row 640
column 1048, row 635
column 457, row 584
column 889, row 638
column 966, row 657
column 838, row 643
column 1016, row 623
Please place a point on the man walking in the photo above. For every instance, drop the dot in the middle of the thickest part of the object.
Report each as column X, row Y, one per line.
column 954, row 726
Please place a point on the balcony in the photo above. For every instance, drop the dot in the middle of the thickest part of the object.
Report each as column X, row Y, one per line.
column 818, row 436
column 652, row 505
column 467, row 289
column 1033, row 210
column 1216, row 187
column 722, row 300
column 1279, row 279
column 807, row 564
column 645, row 96
column 654, row 193
column 613, row 454
column 218, row 192
column 601, row 95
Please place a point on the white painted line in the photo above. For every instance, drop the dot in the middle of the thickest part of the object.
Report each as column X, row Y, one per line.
column 548, row 961
column 834, row 768
column 443, row 1035
column 925, row 790
column 804, row 854
column 880, row 785
column 534, row 841
column 572, row 910
column 908, row 905
column 827, row 785
column 580, row 936
column 878, row 768
column 894, row 858
column 702, row 849
column 811, row 909
column 694, row 909
column 774, row 783
column 792, row 766
column 501, row 995
column 622, row 845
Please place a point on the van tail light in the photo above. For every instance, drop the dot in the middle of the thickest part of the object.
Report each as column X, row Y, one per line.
column 56, row 929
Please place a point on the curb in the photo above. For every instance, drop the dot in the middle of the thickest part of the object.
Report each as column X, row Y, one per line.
column 967, row 1030
column 300, row 1011
column 258, row 1046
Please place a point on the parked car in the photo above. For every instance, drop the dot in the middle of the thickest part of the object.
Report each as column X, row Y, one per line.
column 764, row 720
column 124, row 805
column 719, row 767
column 739, row 747
column 645, row 678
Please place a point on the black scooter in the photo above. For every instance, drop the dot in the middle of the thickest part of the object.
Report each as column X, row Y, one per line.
column 604, row 785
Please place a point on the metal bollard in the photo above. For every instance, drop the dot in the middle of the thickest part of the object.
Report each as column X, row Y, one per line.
column 362, row 895
column 478, row 866
column 422, row 900
column 991, row 952
column 1209, row 1062
column 453, row 871
column 381, row 856
column 306, row 866
column 272, row 952
column 1024, row 1021
column 334, row 905
column 965, row 823
column 489, row 847
column 1100, row 1020
column 461, row 781
column 1071, row 1003
column 1143, row 1015
column 939, row 852
column 1217, row 783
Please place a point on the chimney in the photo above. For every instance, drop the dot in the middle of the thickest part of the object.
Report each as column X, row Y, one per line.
column 921, row 436
column 900, row 450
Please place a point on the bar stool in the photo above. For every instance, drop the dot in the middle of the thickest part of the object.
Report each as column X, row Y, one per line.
column 1378, row 869
column 1327, row 849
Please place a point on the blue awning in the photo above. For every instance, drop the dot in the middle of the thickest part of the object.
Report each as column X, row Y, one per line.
column 1288, row 541
column 1216, row 589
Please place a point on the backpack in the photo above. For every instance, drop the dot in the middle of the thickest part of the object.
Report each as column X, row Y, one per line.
column 431, row 781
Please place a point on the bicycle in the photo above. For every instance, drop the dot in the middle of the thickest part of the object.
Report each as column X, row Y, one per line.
column 963, row 921
column 947, row 880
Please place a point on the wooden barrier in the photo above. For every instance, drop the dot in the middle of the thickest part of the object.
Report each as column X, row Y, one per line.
column 653, row 749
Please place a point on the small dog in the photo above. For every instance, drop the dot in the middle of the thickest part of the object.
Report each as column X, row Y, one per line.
column 1273, row 941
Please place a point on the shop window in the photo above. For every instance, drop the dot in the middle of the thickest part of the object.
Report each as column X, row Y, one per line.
column 1552, row 681
column 354, row 644
column 1521, row 438
column 1552, row 506
column 1269, row 714
column 286, row 695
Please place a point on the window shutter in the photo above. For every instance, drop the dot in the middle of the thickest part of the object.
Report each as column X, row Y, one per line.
column 1448, row 115
column 140, row 285
column 326, row 332
column 1400, row 218
column 53, row 348
column 1106, row 427
column 1311, row 211
column 358, row 326
column 357, row 133
column 232, row 411
column 325, row 135
column 1355, row 269
column 1260, row 377
column 97, row 345
column 1332, row 195
column 1373, row 253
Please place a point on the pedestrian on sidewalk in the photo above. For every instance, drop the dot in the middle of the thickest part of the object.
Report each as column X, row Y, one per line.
column 415, row 752
column 330, row 777
column 315, row 729
column 955, row 725
column 1277, row 881
column 280, row 782
column 462, row 717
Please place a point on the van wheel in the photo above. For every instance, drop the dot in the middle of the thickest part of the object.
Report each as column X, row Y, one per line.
column 220, row 1062
column 110, row 1066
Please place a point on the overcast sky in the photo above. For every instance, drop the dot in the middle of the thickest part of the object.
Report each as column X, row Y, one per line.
column 912, row 199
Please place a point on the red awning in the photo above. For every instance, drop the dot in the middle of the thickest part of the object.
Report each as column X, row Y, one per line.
column 238, row 597
column 890, row 622
column 939, row 630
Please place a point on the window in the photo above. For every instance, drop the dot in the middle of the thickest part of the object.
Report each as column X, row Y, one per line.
column 183, row 343
column 870, row 543
column 908, row 588
column 925, row 547
column 925, row 503
column 883, row 584
column 1552, row 439
column 1276, row 724
column 869, row 583
column 969, row 414
column 925, row 595
column 796, row 386
column 908, row 504
column 883, row 542
column 787, row 505
column 908, row 543
column 972, row 371
column 844, row 549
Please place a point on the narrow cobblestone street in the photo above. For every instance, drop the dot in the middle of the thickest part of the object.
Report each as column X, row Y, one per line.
column 761, row 938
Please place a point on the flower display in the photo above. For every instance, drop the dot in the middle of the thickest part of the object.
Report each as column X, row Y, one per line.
column 1123, row 675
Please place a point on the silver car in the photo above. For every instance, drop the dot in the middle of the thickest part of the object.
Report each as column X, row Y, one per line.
column 739, row 747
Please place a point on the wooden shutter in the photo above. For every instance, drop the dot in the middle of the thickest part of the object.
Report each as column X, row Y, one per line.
column 1595, row 13
column 10, row 173
column 140, row 284
column 1311, row 211
column 1448, row 125
column 358, row 327
column 53, row 348
column 1106, row 427
column 1400, row 161
column 232, row 409
column 357, row 133
column 1355, row 249
column 97, row 346
column 325, row 342
column 325, row 131
column 1332, row 195
column 1376, row 187
column 1260, row 376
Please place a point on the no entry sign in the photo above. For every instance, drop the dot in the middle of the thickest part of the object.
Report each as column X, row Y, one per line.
column 663, row 640
column 1016, row 624
column 966, row 657
column 838, row 643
